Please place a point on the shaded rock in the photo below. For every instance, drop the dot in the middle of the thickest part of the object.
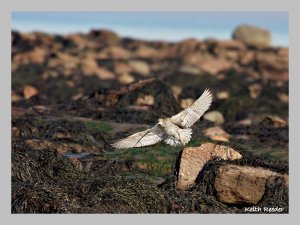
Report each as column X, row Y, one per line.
column 272, row 66
column 194, row 158
column 242, row 184
column 105, row 37
column 29, row 91
column 214, row 116
column 216, row 133
column 252, row 35
column 273, row 122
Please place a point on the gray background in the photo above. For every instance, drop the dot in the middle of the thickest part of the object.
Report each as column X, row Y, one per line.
column 147, row 5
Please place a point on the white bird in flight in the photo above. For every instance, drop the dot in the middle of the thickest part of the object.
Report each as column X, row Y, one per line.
column 174, row 131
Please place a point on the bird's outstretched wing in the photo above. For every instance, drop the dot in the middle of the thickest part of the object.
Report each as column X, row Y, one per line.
column 143, row 138
column 190, row 115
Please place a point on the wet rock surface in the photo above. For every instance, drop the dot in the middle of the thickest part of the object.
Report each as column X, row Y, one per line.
column 73, row 95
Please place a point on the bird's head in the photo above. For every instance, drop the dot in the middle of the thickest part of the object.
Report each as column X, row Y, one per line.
column 160, row 121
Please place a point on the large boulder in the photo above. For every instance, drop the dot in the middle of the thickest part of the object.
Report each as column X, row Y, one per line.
column 243, row 184
column 193, row 160
column 252, row 35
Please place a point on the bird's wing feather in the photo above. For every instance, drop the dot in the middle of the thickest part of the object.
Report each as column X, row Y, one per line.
column 190, row 115
column 143, row 138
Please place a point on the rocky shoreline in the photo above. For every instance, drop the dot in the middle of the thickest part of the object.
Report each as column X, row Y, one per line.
column 73, row 95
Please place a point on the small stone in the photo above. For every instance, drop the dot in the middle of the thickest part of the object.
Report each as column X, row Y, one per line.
column 214, row 116
column 29, row 91
column 145, row 100
column 255, row 90
column 283, row 97
column 222, row 95
column 125, row 78
column 176, row 91
column 140, row 67
column 216, row 133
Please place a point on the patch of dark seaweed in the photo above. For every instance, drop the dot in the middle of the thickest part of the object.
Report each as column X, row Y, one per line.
column 43, row 165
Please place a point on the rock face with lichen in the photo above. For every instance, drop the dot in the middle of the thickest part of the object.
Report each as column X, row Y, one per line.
column 73, row 95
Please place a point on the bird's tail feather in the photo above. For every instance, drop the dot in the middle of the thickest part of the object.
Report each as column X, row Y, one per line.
column 185, row 135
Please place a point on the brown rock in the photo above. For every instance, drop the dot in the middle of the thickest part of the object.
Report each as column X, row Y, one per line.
column 90, row 68
column 252, row 35
column 125, row 78
column 182, row 48
column 121, row 68
column 15, row 132
column 215, row 66
column 17, row 112
column 272, row 66
column 231, row 45
column 283, row 52
column 36, row 56
column 176, row 91
column 194, row 158
column 216, row 133
column 242, row 184
column 15, row 97
column 222, row 95
column 246, row 57
column 115, row 52
column 140, row 67
column 207, row 63
column 190, row 70
column 29, row 91
column 283, row 97
column 145, row 52
column 273, row 122
column 214, row 116
column 184, row 103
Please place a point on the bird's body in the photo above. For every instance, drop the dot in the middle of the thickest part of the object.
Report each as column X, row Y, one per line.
column 174, row 131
